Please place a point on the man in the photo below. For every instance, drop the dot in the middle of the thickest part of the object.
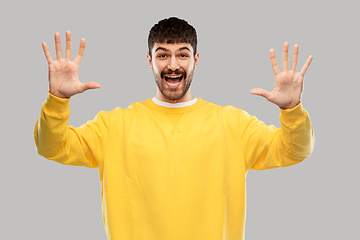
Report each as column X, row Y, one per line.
column 173, row 166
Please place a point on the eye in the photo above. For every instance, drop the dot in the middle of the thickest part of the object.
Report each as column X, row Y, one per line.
column 162, row 56
column 183, row 55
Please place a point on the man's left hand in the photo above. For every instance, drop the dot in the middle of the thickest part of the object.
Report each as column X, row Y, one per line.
column 289, row 83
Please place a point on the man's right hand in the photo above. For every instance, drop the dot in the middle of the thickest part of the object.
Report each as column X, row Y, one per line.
column 63, row 73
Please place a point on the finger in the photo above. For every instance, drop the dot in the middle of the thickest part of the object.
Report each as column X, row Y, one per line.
column 306, row 65
column 58, row 46
column 89, row 85
column 81, row 51
column 262, row 93
column 47, row 53
column 68, row 46
column 285, row 57
column 295, row 58
column 274, row 63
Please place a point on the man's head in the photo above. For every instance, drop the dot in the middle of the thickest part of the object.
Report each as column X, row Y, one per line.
column 173, row 58
column 172, row 30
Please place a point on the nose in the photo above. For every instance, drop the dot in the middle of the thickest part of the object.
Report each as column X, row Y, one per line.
column 173, row 64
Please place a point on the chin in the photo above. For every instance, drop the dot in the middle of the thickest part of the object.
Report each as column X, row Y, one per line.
column 173, row 95
column 177, row 93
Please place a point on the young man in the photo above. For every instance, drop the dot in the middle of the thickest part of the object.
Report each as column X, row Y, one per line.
column 173, row 166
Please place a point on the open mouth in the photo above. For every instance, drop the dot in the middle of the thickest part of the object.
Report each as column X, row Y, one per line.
column 173, row 80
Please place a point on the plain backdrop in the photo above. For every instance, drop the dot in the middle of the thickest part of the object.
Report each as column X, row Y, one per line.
column 316, row 199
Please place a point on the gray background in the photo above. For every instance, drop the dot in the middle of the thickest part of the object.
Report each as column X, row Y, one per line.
column 317, row 199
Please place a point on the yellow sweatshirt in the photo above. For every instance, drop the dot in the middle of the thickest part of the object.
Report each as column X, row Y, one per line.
column 173, row 173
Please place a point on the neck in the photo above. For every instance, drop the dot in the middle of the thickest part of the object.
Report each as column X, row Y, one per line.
column 187, row 97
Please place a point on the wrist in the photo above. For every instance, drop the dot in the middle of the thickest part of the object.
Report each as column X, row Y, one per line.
column 290, row 105
column 58, row 94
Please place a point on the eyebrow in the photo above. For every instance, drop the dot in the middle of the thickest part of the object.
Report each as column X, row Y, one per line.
column 161, row 48
column 167, row 50
column 184, row 48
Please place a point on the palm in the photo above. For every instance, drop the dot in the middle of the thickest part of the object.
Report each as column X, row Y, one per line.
column 63, row 73
column 288, row 84
column 64, row 77
column 287, row 89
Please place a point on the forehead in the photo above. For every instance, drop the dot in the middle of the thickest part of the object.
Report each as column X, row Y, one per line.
column 172, row 47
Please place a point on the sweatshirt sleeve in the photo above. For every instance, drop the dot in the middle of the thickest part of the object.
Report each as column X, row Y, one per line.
column 57, row 141
column 267, row 147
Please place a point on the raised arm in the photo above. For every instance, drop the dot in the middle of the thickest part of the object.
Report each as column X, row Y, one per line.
column 289, row 83
column 54, row 139
column 294, row 141
column 63, row 73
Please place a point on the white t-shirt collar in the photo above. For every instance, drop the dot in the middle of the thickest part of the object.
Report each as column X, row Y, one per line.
column 174, row 105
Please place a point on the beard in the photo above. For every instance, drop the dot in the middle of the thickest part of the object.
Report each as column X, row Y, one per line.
column 173, row 94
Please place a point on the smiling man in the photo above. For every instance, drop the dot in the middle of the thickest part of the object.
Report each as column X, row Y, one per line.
column 173, row 68
column 173, row 58
column 173, row 166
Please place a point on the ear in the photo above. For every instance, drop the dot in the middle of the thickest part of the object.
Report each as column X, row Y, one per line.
column 197, row 56
column 149, row 61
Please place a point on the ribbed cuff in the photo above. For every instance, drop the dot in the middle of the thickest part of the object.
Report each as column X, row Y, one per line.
column 57, row 106
column 293, row 116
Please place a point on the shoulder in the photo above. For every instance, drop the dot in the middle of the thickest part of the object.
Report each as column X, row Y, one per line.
column 226, row 111
column 132, row 109
column 229, row 116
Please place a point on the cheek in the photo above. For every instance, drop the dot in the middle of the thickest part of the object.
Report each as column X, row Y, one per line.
column 189, row 67
column 157, row 68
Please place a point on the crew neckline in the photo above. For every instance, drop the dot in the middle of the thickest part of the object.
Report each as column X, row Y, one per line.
column 174, row 105
column 179, row 110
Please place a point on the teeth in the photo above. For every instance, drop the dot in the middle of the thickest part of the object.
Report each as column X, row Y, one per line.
column 174, row 76
column 173, row 84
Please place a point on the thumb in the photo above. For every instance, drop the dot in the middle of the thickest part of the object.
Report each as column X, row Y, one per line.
column 89, row 85
column 262, row 93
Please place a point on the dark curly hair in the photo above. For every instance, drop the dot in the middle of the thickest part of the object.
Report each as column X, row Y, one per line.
column 172, row 30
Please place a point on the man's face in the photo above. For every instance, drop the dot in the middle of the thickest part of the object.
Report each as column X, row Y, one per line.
column 173, row 66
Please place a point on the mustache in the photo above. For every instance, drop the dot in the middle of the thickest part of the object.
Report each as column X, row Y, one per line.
column 177, row 72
